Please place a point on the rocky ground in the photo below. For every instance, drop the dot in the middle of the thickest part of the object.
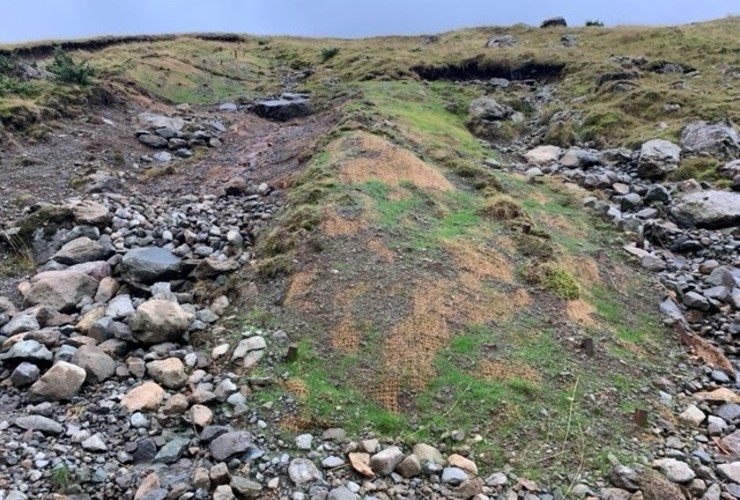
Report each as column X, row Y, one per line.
column 124, row 375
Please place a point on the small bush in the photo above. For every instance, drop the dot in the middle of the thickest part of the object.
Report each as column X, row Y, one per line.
column 328, row 53
column 67, row 71
column 533, row 246
column 595, row 23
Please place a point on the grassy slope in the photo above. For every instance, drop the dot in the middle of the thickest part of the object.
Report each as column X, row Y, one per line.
column 517, row 379
column 387, row 258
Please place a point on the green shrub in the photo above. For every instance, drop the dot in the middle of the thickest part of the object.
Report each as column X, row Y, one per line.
column 596, row 23
column 67, row 71
column 328, row 53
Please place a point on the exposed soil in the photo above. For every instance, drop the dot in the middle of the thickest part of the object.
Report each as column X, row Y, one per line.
column 253, row 148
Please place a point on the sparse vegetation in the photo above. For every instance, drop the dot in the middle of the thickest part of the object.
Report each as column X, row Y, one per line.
column 502, row 208
column 598, row 24
column 61, row 477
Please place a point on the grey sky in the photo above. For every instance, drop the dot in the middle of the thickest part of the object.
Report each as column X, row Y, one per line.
column 22, row 20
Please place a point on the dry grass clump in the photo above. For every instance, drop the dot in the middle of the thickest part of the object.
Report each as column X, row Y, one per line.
column 502, row 207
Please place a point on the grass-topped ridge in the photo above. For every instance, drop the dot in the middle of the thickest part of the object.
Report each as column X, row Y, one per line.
column 434, row 294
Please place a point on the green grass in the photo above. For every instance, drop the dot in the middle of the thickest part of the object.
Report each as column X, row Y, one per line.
column 425, row 109
column 60, row 478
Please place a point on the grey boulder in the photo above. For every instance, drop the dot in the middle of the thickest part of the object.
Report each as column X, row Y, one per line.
column 657, row 158
column 716, row 139
column 285, row 108
column 149, row 265
column 708, row 209
column 80, row 250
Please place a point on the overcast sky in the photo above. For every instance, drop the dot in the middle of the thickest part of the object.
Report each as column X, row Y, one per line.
column 22, row 20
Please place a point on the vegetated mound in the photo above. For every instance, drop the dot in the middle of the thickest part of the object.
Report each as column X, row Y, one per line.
column 430, row 302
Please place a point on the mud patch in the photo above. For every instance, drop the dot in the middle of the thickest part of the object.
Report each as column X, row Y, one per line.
column 481, row 69
column 385, row 255
column 335, row 224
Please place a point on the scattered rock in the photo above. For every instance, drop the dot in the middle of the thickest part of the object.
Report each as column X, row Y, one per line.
column 303, row 471
column 384, row 462
column 61, row 382
column 157, row 321
column 148, row 396
column 169, row 373
column 229, row 444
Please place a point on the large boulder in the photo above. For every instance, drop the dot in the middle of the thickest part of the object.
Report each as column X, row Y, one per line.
column 485, row 115
column 716, row 139
column 287, row 107
column 657, row 158
column 153, row 121
column 98, row 269
column 149, row 265
column 708, row 209
column 28, row 350
column 60, row 290
column 80, row 250
column 543, row 155
column 61, row 382
column 157, row 321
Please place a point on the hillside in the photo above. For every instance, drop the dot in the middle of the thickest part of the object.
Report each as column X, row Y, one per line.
column 496, row 263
